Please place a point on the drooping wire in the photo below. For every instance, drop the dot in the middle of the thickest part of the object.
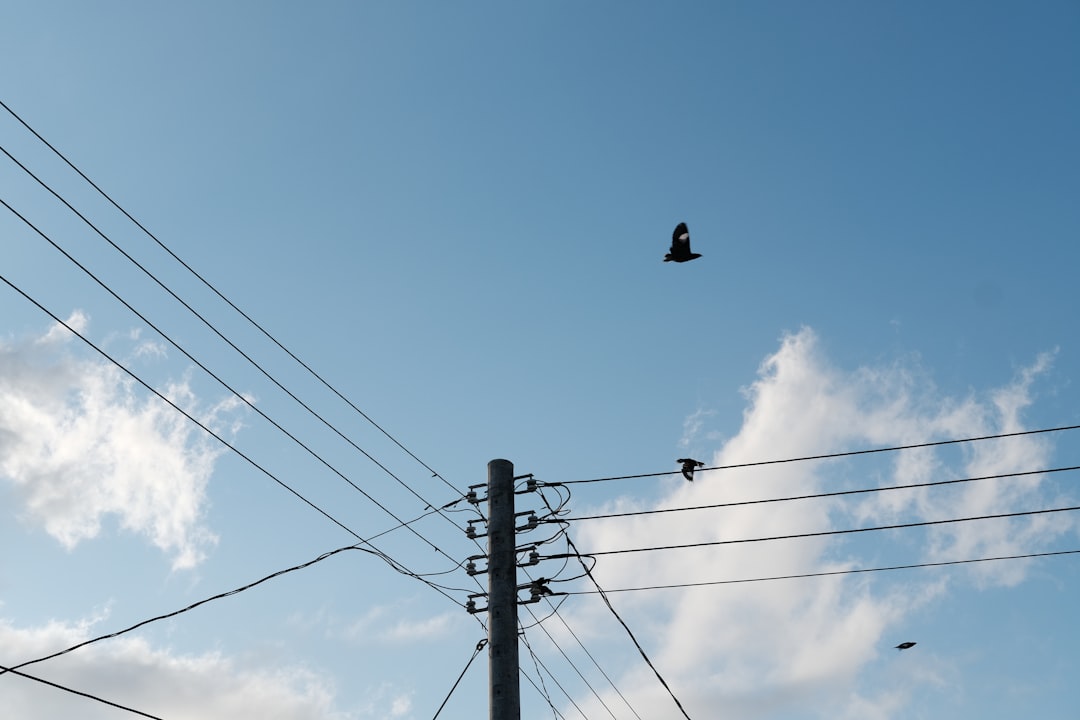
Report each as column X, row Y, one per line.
column 829, row 573
column 80, row 693
column 828, row 456
column 225, row 299
column 479, row 646
column 629, row 632
column 822, row 533
column 219, row 596
column 393, row 563
column 837, row 493
column 224, row 384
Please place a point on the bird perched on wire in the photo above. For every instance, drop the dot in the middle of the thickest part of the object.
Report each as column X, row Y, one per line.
column 680, row 246
column 688, row 467
column 905, row 645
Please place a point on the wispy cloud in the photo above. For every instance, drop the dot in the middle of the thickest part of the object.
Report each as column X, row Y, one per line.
column 383, row 624
column 693, row 428
column 756, row 650
column 81, row 442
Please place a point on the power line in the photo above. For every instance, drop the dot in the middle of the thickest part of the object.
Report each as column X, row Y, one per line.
column 594, row 662
column 389, row 560
column 828, row 456
column 836, row 493
column 626, row 627
column 223, row 297
column 555, row 611
column 566, row 657
column 214, row 329
column 828, row 573
column 540, row 664
column 224, row 384
column 80, row 693
column 826, row 532
column 541, row 689
column 231, row 344
column 539, row 675
column 219, row 596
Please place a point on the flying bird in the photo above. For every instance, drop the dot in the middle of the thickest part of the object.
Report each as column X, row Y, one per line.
column 905, row 645
column 688, row 467
column 680, row 246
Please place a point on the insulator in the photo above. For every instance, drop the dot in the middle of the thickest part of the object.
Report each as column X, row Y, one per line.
column 470, row 606
column 471, row 497
column 470, row 568
column 534, row 557
column 470, row 532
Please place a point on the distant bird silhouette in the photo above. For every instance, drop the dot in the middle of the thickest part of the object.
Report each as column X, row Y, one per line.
column 905, row 645
column 688, row 467
column 680, row 246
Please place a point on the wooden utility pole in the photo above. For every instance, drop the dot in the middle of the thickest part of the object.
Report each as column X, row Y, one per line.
column 504, row 688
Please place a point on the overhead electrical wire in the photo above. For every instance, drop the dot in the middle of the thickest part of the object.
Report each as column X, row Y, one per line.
column 211, row 327
column 836, row 493
column 626, row 627
column 387, row 558
column 219, row 596
column 827, row 456
column 922, row 523
column 555, row 613
column 224, row 384
column 830, row 573
column 540, row 664
column 394, row 564
column 80, row 693
column 594, row 662
column 219, row 294
column 566, row 657
column 542, row 692
column 232, row 345
column 556, row 511
column 247, row 317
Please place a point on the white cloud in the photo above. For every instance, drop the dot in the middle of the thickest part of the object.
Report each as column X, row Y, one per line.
column 376, row 625
column 400, row 706
column 759, row 649
column 385, row 701
column 693, row 428
column 131, row 672
column 80, row 441
column 61, row 332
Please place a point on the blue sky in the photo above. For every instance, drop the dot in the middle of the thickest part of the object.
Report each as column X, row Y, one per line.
column 457, row 217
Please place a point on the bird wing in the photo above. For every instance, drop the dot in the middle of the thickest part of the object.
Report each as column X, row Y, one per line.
column 680, row 244
column 680, row 238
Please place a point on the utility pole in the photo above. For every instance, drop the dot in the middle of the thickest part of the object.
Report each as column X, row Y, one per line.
column 504, row 689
